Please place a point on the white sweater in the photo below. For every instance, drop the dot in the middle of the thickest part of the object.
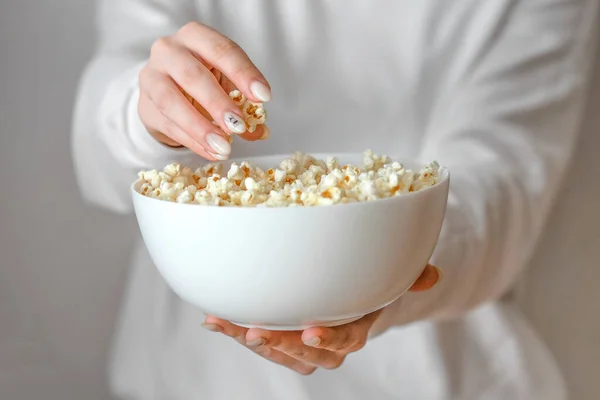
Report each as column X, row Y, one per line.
column 493, row 90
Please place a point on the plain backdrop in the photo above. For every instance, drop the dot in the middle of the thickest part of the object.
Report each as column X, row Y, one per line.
column 63, row 265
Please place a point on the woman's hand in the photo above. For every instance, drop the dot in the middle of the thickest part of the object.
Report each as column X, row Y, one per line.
column 185, row 86
column 316, row 347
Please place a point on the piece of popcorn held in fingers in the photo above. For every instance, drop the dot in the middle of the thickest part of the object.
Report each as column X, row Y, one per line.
column 254, row 113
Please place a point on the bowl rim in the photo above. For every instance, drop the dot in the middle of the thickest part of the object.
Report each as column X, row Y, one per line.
column 445, row 172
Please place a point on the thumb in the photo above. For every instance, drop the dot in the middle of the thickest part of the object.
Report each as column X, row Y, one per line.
column 430, row 276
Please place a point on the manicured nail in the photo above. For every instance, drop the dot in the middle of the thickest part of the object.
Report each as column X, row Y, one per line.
column 313, row 342
column 256, row 342
column 266, row 133
column 261, row 91
column 211, row 327
column 440, row 274
column 218, row 144
column 234, row 123
column 218, row 156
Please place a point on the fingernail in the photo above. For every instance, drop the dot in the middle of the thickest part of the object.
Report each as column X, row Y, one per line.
column 218, row 156
column 234, row 123
column 261, row 91
column 256, row 342
column 218, row 144
column 266, row 133
column 211, row 327
column 313, row 342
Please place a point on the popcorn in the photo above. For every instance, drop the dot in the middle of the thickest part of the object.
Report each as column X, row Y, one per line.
column 427, row 176
column 201, row 196
column 330, row 196
column 209, row 170
column 304, row 160
column 185, row 197
column 290, row 166
column 248, row 198
column 144, row 189
column 350, row 178
column 165, row 177
column 254, row 114
column 332, row 163
column 406, row 180
column 238, row 98
column 179, row 179
column 374, row 162
column 279, row 175
column 309, row 177
column 368, row 190
column 332, row 180
column 254, row 186
column 300, row 180
column 394, row 180
column 236, row 173
column 172, row 169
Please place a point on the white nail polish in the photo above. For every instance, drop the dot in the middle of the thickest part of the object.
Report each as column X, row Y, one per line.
column 218, row 156
column 261, row 91
column 218, row 144
column 234, row 123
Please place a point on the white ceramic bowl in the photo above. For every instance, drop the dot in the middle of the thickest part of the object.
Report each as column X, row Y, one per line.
column 292, row 268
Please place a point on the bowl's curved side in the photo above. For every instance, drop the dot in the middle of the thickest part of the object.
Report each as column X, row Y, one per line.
column 292, row 266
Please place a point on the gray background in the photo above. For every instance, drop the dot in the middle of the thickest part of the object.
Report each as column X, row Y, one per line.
column 63, row 265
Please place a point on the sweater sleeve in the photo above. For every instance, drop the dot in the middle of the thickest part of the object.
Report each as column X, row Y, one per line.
column 505, row 130
column 109, row 142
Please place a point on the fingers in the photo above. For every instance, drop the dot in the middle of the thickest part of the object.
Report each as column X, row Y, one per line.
column 226, row 56
column 290, row 343
column 301, row 351
column 189, row 73
column 218, row 325
column 343, row 339
column 168, row 101
column 283, row 359
column 181, row 92
column 166, row 131
column 430, row 276
column 239, row 334
column 260, row 133
column 318, row 346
